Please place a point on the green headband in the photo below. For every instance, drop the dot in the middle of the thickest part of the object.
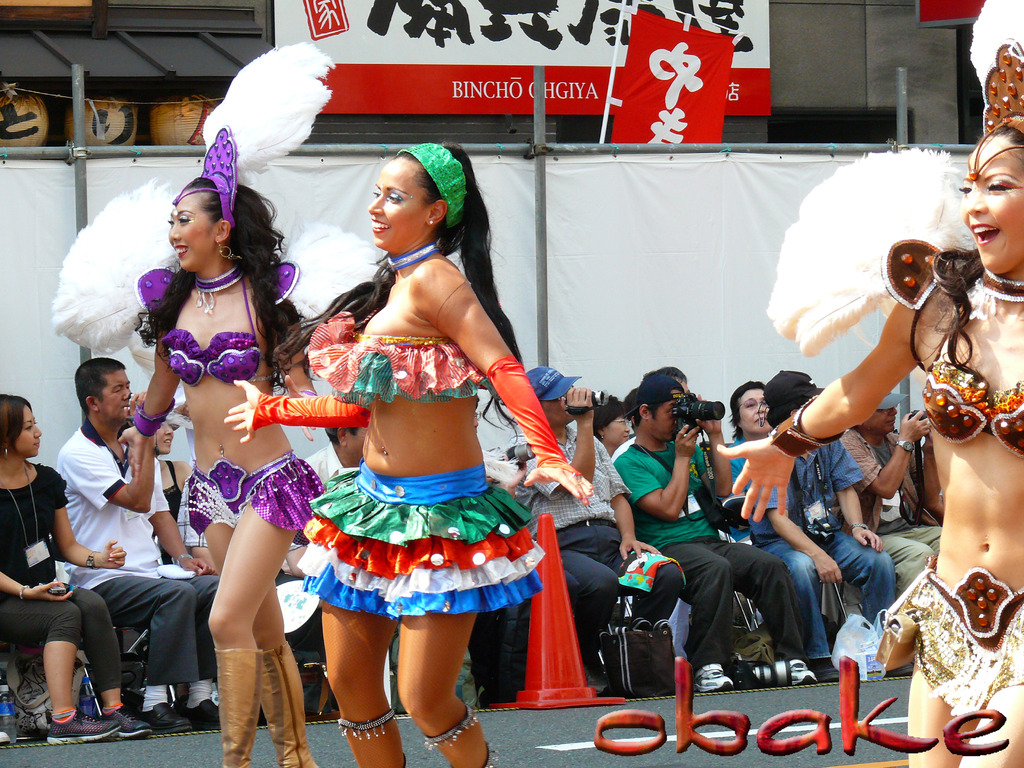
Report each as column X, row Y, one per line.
column 447, row 174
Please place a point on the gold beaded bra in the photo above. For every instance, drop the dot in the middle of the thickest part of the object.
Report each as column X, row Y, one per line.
column 960, row 407
column 958, row 402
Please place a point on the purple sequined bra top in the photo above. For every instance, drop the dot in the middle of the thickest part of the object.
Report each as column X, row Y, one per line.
column 231, row 355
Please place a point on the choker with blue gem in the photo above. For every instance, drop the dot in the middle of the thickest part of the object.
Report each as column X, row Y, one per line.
column 413, row 257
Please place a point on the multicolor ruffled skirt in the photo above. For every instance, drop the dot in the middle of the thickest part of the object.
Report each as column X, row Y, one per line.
column 398, row 546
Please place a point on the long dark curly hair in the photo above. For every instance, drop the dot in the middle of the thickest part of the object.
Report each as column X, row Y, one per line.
column 258, row 242
column 471, row 236
column 956, row 272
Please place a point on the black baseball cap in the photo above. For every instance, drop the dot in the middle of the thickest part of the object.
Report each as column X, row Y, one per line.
column 787, row 391
column 655, row 390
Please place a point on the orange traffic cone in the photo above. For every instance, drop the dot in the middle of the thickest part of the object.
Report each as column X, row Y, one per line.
column 554, row 669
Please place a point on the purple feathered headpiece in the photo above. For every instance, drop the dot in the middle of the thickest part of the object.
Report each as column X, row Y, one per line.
column 220, row 168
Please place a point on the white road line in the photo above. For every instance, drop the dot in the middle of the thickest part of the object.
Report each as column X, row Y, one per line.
column 578, row 745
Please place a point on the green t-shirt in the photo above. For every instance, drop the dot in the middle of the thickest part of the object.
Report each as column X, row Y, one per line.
column 643, row 474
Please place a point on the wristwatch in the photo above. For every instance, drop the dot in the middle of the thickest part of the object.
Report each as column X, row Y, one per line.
column 90, row 561
column 906, row 445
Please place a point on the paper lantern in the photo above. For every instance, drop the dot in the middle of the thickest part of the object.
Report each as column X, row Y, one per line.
column 23, row 121
column 180, row 121
column 108, row 123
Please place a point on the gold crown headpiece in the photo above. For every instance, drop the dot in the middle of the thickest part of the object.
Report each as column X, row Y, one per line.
column 1004, row 88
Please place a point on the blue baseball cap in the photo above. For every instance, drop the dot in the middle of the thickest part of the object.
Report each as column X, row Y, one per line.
column 549, row 384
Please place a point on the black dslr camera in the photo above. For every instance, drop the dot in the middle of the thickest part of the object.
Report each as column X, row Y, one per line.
column 689, row 409
column 822, row 530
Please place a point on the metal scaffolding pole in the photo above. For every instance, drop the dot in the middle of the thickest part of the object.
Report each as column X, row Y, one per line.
column 540, row 196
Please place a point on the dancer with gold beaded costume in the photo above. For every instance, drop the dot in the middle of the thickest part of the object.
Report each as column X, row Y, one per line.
column 958, row 317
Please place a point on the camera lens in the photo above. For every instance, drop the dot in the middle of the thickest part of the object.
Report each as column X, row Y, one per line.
column 772, row 675
column 520, row 454
column 600, row 397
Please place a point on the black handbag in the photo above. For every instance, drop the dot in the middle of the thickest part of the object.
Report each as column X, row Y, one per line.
column 640, row 662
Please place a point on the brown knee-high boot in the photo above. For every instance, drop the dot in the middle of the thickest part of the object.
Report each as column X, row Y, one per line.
column 239, row 671
column 283, row 706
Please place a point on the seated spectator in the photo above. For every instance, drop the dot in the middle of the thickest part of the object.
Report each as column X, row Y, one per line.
column 662, row 470
column 630, row 400
column 33, row 508
column 594, row 539
column 611, row 426
column 889, row 465
column 344, row 450
column 808, row 536
column 112, row 497
column 749, row 418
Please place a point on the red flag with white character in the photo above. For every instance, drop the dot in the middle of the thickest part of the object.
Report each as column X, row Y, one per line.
column 674, row 86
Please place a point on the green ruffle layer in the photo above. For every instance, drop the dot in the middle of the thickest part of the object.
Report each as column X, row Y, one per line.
column 469, row 519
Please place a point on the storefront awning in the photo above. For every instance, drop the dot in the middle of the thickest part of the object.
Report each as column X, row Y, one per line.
column 50, row 54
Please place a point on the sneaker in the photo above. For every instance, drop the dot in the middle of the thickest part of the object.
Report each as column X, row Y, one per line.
column 82, row 728
column 823, row 670
column 131, row 728
column 711, row 679
column 4, row 738
column 799, row 674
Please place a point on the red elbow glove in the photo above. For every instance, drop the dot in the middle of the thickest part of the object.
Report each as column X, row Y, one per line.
column 326, row 411
column 510, row 382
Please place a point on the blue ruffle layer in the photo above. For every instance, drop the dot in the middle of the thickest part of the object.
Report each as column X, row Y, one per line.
column 486, row 598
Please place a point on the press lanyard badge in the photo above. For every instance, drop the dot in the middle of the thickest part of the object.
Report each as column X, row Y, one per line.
column 815, row 512
column 37, row 553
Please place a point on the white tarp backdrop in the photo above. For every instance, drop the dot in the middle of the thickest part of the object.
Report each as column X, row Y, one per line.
column 653, row 261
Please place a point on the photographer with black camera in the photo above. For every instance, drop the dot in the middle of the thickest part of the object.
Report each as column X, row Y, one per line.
column 594, row 539
column 809, row 538
column 663, row 471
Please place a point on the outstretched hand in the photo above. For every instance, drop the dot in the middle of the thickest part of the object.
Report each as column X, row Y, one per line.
column 565, row 476
column 766, row 469
column 241, row 415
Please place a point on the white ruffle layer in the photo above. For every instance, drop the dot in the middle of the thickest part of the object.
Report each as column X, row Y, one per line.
column 421, row 580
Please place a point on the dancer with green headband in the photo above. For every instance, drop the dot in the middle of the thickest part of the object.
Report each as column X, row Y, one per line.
column 416, row 535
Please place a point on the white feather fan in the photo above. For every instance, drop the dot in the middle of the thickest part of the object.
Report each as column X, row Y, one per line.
column 331, row 261
column 95, row 305
column 1000, row 21
column 829, row 273
column 271, row 105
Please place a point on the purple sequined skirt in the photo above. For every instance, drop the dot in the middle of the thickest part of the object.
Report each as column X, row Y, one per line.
column 279, row 492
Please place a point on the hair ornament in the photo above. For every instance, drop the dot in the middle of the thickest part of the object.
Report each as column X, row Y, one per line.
column 220, row 169
column 448, row 175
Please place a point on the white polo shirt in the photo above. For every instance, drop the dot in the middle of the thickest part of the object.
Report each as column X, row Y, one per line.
column 94, row 475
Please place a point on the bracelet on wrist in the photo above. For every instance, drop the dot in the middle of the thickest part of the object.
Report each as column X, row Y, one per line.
column 790, row 438
column 21, row 592
column 146, row 424
column 854, row 526
column 181, row 557
column 308, row 392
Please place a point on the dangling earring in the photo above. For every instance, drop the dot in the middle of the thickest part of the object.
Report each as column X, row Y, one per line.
column 229, row 254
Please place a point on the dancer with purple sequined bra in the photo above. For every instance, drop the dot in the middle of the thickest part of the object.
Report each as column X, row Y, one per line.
column 213, row 322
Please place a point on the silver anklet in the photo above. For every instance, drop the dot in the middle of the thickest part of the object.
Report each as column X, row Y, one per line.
column 366, row 729
column 454, row 732
column 492, row 758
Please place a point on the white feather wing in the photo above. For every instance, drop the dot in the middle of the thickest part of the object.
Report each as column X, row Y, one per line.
column 331, row 261
column 1000, row 21
column 96, row 305
column 829, row 273
column 271, row 105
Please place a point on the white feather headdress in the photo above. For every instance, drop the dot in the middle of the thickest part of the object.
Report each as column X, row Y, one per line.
column 1000, row 22
column 292, row 74
column 830, row 265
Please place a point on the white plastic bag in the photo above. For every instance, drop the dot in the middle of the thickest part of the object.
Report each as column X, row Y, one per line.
column 859, row 639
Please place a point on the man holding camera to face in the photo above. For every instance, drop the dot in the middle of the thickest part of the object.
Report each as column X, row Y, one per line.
column 808, row 536
column 663, row 472
column 594, row 539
